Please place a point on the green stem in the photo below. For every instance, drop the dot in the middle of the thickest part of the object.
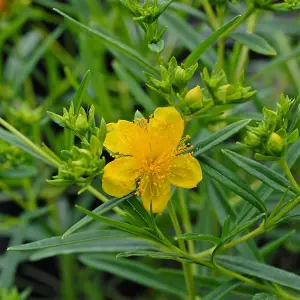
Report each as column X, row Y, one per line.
column 259, row 230
column 283, row 212
column 104, row 199
column 245, row 50
column 186, row 220
column 221, row 44
column 29, row 143
column 289, row 174
column 66, row 262
column 210, row 14
column 242, row 19
column 188, row 275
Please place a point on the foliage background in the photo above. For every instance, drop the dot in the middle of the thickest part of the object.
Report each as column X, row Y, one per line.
column 42, row 61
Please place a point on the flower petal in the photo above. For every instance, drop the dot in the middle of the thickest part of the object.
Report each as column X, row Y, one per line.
column 123, row 137
column 157, row 192
column 185, row 171
column 166, row 130
column 119, row 178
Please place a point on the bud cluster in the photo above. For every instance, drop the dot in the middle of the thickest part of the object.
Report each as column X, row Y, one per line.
column 82, row 164
column 271, row 136
column 11, row 156
column 146, row 15
column 79, row 123
column 221, row 92
column 173, row 80
column 22, row 115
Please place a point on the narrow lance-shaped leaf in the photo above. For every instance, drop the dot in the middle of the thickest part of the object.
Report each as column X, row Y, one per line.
column 80, row 92
column 33, row 60
column 199, row 237
column 112, row 42
column 74, row 239
column 219, row 137
column 260, row 270
column 229, row 180
column 234, row 233
column 135, row 271
column 223, row 290
column 259, row 171
column 121, row 225
column 139, row 94
column 101, row 209
column 195, row 55
column 254, row 42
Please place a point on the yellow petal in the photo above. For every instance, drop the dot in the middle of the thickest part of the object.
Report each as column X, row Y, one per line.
column 119, row 178
column 123, row 137
column 185, row 171
column 166, row 129
column 156, row 192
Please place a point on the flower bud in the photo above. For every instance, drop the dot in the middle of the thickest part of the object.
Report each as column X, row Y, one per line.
column 81, row 123
column 275, row 144
column 221, row 93
column 252, row 139
column 194, row 98
column 180, row 78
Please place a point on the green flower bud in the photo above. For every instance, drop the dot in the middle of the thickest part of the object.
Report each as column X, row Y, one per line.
column 275, row 144
column 194, row 98
column 81, row 124
column 222, row 93
column 180, row 78
column 252, row 139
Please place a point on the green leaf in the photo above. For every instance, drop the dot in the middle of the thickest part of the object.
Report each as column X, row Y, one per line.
column 12, row 259
column 254, row 42
column 105, row 245
column 201, row 282
column 26, row 293
column 196, row 53
column 220, row 202
column 265, row 191
column 135, row 89
column 76, row 238
column 219, row 137
column 264, row 296
column 188, row 35
column 189, row 10
column 270, row 247
column 134, row 271
column 80, row 92
column 229, row 180
column 260, row 270
column 112, row 42
column 121, row 225
column 21, row 171
column 223, row 290
column 260, row 172
column 101, row 209
column 155, row 255
column 234, row 233
column 280, row 60
column 33, row 60
column 199, row 237
column 16, row 141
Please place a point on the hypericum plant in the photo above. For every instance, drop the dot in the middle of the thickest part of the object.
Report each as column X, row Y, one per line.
column 181, row 192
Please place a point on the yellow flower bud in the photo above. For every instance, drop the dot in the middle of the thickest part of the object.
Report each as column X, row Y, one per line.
column 193, row 95
column 194, row 98
column 275, row 143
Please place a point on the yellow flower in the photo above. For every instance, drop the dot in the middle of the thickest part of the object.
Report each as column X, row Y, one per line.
column 149, row 153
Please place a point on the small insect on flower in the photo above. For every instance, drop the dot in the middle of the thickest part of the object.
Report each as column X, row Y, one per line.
column 151, row 154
